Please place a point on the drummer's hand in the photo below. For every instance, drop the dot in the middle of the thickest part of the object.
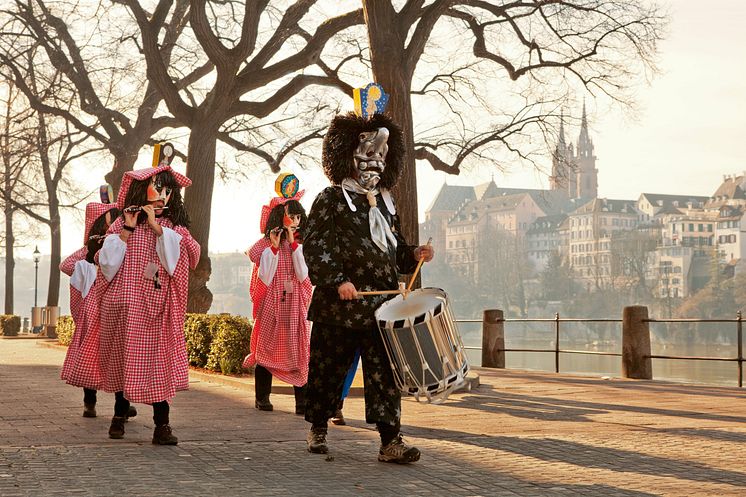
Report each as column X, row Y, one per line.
column 426, row 252
column 347, row 291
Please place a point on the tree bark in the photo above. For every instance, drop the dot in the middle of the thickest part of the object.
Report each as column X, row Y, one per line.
column 198, row 201
column 53, row 292
column 10, row 262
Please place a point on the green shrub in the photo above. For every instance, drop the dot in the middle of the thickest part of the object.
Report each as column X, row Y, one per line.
column 218, row 342
column 198, row 338
column 230, row 344
column 65, row 329
column 10, row 325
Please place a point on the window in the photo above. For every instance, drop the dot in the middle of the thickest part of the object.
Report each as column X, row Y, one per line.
column 700, row 227
column 691, row 226
column 709, row 228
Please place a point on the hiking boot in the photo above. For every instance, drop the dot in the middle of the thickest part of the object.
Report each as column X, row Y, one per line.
column 162, row 436
column 116, row 430
column 317, row 441
column 338, row 418
column 399, row 452
column 89, row 410
column 131, row 413
column 264, row 405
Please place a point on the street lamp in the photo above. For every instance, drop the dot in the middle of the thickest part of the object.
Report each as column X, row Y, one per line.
column 37, row 258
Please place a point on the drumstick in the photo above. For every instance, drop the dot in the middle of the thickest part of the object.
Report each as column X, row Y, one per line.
column 379, row 292
column 419, row 265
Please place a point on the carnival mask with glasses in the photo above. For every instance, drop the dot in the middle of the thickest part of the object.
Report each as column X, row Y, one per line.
column 370, row 157
column 158, row 194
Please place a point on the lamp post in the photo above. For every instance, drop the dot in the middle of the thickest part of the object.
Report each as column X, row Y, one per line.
column 37, row 258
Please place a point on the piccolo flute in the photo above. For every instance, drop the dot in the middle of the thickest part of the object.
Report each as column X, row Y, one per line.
column 138, row 209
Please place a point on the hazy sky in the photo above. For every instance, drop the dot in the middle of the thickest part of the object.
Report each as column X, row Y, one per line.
column 687, row 134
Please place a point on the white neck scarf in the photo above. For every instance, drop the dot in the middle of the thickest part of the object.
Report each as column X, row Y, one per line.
column 380, row 231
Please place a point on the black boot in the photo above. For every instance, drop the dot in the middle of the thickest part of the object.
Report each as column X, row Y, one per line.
column 116, row 430
column 89, row 410
column 131, row 412
column 162, row 436
column 300, row 400
column 262, row 388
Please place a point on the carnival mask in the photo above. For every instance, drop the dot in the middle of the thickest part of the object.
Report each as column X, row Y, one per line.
column 370, row 157
column 158, row 193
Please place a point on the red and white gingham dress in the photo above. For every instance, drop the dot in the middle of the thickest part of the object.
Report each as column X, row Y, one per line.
column 281, row 338
column 76, row 309
column 142, row 347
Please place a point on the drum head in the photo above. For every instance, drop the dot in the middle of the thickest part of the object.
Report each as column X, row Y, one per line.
column 417, row 303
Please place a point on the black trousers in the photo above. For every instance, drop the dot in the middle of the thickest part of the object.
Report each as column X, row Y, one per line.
column 160, row 409
column 263, row 386
column 332, row 352
column 89, row 396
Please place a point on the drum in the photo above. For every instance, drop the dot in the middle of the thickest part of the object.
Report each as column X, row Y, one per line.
column 423, row 344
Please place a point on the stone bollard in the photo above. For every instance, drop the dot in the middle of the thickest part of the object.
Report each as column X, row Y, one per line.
column 493, row 339
column 636, row 362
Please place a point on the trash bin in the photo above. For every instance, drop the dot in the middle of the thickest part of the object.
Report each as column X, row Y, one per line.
column 51, row 313
column 37, row 319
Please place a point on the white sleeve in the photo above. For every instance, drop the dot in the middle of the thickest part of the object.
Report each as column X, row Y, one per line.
column 268, row 265
column 111, row 256
column 83, row 277
column 168, row 248
column 299, row 263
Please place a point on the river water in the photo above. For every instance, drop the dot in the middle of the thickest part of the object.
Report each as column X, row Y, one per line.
column 671, row 339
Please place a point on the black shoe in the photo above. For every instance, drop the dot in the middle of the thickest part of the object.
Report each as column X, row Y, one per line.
column 131, row 413
column 338, row 418
column 300, row 410
column 264, row 405
column 89, row 410
column 116, row 430
column 317, row 441
column 162, row 436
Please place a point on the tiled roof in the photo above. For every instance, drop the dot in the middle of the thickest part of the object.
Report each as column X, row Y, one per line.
column 451, row 197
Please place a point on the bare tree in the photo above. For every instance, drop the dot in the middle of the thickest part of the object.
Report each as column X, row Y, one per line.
column 248, row 58
column 545, row 45
column 14, row 157
column 115, row 103
column 56, row 145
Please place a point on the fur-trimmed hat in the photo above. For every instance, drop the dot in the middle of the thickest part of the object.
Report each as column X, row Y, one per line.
column 343, row 137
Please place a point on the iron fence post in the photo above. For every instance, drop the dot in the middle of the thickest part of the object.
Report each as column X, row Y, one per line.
column 739, row 325
column 556, row 341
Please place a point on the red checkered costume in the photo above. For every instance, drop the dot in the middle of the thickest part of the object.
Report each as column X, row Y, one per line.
column 80, row 365
column 281, row 336
column 142, row 347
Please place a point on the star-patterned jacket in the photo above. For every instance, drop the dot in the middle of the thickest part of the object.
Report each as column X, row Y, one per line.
column 338, row 248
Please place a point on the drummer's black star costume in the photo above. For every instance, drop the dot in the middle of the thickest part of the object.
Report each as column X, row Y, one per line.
column 353, row 236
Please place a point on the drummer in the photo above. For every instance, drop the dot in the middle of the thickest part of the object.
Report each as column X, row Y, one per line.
column 354, row 243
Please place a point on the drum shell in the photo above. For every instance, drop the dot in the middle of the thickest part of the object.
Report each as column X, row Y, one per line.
column 425, row 350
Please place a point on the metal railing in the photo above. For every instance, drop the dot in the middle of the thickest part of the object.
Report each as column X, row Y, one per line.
column 739, row 352
column 556, row 350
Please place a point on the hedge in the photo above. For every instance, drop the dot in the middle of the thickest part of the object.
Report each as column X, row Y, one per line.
column 10, row 325
column 218, row 342
column 65, row 329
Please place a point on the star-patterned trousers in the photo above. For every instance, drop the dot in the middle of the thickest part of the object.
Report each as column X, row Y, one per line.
column 332, row 352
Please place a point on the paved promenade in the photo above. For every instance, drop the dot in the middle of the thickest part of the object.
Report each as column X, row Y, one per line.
column 517, row 434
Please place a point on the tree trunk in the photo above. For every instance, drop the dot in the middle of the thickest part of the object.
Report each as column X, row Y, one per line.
column 123, row 161
column 198, row 201
column 53, row 292
column 10, row 262
column 390, row 71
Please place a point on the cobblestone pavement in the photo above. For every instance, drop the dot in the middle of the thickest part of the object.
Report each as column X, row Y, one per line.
column 518, row 434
